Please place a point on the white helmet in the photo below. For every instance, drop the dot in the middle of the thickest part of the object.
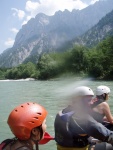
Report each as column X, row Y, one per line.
column 102, row 89
column 83, row 91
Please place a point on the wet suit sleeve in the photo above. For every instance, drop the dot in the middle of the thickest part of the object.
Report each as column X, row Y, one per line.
column 91, row 127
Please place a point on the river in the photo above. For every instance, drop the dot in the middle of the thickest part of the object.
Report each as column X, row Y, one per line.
column 52, row 94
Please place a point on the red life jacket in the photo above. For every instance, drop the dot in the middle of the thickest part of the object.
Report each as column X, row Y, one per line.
column 2, row 145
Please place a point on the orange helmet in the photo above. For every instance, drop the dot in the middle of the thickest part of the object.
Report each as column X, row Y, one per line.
column 24, row 118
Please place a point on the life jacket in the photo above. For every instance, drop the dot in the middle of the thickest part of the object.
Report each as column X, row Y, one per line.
column 8, row 141
column 2, row 145
column 5, row 143
column 64, row 133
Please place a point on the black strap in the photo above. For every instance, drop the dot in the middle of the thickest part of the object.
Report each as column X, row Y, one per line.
column 37, row 146
column 41, row 135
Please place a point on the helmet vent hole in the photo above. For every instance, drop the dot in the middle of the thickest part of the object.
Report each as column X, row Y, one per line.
column 22, row 106
column 27, row 103
column 16, row 110
column 36, row 118
column 39, row 113
column 32, row 122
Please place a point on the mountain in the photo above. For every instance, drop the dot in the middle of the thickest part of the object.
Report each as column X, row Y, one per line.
column 49, row 33
column 100, row 31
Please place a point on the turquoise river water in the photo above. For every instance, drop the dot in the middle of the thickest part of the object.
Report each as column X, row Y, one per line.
column 52, row 94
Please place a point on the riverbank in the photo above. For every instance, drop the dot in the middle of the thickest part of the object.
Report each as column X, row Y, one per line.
column 27, row 79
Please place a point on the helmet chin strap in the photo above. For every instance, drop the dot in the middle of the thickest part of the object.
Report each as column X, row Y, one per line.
column 37, row 141
column 37, row 145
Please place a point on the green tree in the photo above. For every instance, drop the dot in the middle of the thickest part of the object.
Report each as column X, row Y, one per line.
column 47, row 67
column 22, row 71
column 77, row 60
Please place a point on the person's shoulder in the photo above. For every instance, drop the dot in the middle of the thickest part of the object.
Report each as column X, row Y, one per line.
column 105, row 104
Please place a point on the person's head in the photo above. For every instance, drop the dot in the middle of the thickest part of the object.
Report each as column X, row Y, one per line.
column 27, row 121
column 83, row 94
column 103, row 91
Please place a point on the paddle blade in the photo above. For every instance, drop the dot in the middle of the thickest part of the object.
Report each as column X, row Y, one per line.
column 46, row 139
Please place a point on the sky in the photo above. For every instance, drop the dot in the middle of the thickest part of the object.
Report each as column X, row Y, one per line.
column 15, row 13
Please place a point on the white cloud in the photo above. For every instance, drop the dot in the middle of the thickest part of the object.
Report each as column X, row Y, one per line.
column 93, row 1
column 27, row 19
column 30, row 6
column 9, row 42
column 19, row 13
column 49, row 7
column 14, row 30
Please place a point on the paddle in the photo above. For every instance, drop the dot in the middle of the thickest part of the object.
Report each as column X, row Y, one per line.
column 46, row 139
